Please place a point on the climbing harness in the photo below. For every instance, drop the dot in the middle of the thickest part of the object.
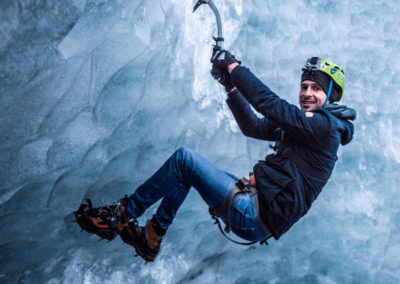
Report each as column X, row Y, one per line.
column 242, row 186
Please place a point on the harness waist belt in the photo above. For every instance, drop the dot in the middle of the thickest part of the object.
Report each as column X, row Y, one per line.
column 224, row 209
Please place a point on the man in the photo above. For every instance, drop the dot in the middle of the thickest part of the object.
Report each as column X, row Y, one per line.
column 283, row 185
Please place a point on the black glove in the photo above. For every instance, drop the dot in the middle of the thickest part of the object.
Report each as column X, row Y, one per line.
column 223, row 77
column 222, row 58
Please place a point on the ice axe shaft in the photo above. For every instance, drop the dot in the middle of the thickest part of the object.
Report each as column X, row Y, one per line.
column 219, row 39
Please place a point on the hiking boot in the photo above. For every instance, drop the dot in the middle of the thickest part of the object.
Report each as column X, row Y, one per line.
column 146, row 240
column 105, row 221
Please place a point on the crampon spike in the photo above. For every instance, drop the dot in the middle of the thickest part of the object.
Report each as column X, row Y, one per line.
column 104, row 221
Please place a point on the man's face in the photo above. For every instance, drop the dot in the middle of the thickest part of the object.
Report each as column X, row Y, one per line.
column 311, row 96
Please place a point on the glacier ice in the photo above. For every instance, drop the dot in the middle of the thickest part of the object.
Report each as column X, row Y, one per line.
column 96, row 94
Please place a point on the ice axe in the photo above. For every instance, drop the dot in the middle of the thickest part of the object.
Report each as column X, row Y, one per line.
column 219, row 39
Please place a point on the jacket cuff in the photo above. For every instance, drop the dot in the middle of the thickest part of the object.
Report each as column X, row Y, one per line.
column 235, row 75
column 232, row 94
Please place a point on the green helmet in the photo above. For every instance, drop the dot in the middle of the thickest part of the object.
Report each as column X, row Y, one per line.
column 331, row 69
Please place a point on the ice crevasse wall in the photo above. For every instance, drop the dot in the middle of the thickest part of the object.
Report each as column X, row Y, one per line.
column 96, row 94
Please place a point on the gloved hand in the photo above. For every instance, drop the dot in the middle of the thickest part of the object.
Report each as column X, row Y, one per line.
column 222, row 58
column 223, row 77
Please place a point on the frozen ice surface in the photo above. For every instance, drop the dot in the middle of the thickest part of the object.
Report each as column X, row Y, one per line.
column 96, row 94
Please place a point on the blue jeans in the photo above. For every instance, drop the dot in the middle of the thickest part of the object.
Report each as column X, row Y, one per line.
column 172, row 182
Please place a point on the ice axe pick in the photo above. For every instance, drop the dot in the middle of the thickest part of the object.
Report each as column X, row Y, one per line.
column 219, row 39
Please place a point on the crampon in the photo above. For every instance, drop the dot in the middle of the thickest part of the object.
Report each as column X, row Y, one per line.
column 105, row 221
column 145, row 240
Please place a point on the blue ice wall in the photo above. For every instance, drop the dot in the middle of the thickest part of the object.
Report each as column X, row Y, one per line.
column 96, row 94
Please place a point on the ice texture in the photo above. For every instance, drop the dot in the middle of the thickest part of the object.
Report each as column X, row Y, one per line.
column 96, row 94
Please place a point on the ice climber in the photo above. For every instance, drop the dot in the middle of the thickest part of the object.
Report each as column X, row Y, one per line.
column 283, row 185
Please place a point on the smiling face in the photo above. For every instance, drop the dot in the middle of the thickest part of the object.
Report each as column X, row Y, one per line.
column 311, row 96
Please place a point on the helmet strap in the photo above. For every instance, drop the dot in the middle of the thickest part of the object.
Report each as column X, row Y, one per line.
column 329, row 92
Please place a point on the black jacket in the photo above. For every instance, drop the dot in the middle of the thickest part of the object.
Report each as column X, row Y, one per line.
column 291, row 179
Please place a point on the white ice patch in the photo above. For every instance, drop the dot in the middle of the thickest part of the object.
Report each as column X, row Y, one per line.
column 163, row 269
column 364, row 201
column 371, row 110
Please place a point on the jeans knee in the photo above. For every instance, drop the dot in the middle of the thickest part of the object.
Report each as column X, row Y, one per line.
column 183, row 152
column 183, row 158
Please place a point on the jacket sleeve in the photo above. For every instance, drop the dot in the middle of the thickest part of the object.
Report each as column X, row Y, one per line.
column 249, row 123
column 287, row 116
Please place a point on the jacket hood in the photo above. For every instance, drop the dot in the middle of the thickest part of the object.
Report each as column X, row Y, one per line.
column 341, row 111
column 345, row 114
